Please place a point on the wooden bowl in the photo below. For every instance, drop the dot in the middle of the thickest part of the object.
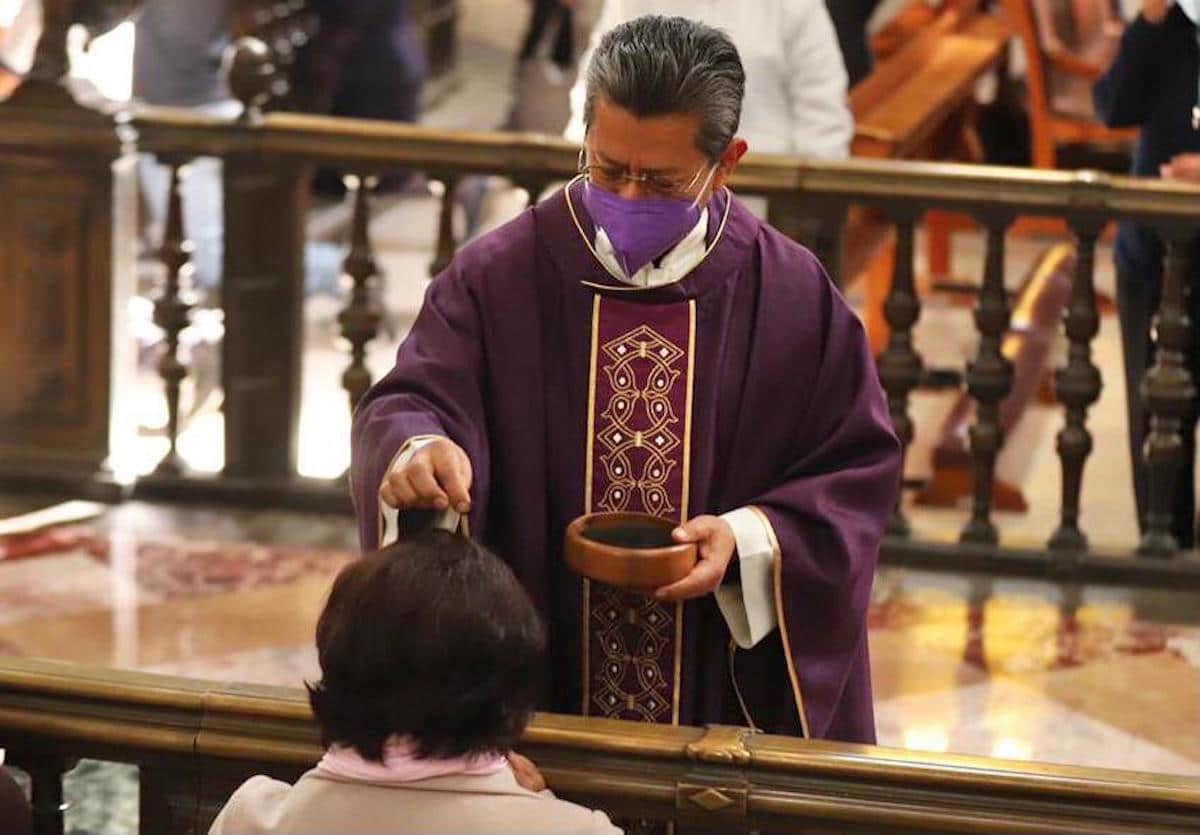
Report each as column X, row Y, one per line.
column 628, row 550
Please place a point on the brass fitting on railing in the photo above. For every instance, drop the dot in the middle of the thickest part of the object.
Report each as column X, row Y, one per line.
column 720, row 745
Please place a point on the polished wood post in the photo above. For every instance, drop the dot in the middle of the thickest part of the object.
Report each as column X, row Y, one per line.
column 899, row 365
column 989, row 379
column 1169, row 391
column 1077, row 386
column 172, row 309
column 446, row 244
column 262, row 293
column 169, row 798
column 68, row 187
column 361, row 316
column 823, row 232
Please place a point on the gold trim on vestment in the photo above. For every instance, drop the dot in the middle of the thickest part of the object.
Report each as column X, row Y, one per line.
column 591, row 420
column 777, row 554
column 587, row 498
column 685, row 495
column 626, row 287
column 685, row 492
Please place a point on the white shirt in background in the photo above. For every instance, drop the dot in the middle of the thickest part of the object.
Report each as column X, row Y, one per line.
column 20, row 30
column 796, row 83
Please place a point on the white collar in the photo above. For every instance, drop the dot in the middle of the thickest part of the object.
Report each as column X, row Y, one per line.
column 681, row 260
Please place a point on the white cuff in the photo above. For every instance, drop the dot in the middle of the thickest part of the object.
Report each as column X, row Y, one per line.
column 749, row 608
column 389, row 527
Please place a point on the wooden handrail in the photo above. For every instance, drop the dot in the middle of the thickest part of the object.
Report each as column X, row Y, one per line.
column 358, row 144
column 729, row 777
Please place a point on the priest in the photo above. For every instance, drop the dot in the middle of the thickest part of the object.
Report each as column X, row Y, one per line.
column 640, row 342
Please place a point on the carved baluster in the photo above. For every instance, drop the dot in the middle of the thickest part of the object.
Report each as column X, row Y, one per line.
column 1077, row 387
column 1168, row 390
column 532, row 187
column 360, row 319
column 171, row 313
column 46, row 773
column 445, row 242
column 51, row 60
column 900, row 366
column 989, row 379
column 829, row 239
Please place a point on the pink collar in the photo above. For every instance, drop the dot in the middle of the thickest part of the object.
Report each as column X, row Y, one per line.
column 400, row 764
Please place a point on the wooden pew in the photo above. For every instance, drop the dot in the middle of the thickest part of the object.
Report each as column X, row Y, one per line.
column 910, row 107
column 918, row 104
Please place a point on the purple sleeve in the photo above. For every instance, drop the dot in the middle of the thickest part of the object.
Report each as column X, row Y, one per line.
column 435, row 388
column 828, row 512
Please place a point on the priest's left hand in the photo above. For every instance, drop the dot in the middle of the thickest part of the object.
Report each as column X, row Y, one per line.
column 716, row 544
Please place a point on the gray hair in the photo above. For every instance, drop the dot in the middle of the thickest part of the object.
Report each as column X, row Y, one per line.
column 658, row 66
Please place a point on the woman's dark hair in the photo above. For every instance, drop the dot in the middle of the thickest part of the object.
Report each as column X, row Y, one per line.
column 434, row 639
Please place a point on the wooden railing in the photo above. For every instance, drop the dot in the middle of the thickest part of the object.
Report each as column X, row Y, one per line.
column 195, row 741
column 266, row 162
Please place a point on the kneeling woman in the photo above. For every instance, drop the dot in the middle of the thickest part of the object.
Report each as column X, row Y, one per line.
column 429, row 652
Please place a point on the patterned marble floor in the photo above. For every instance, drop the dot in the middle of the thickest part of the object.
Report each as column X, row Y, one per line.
column 1024, row 670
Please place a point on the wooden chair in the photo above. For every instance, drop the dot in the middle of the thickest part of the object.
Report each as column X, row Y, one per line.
column 1068, row 46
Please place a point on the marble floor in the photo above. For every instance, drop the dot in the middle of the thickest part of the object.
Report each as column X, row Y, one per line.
column 1096, row 676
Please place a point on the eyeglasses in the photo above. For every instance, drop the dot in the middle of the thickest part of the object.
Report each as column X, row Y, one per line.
column 610, row 178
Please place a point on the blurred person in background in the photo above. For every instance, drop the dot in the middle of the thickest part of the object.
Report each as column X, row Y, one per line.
column 544, row 14
column 367, row 62
column 850, row 19
column 177, row 54
column 178, row 57
column 796, row 81
column 1154, row 84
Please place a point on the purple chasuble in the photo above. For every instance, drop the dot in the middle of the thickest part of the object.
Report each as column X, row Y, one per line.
column 748, row 383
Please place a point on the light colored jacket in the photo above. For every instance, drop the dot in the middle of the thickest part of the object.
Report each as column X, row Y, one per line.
column 319, row 804
column 796, row 83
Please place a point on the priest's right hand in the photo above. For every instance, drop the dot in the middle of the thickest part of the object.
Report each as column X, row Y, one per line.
column 437, row 477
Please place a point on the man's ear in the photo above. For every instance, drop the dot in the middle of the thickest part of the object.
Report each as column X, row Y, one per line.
column 729, row 162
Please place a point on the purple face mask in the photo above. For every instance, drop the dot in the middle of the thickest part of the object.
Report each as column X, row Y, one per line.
column 640, row 230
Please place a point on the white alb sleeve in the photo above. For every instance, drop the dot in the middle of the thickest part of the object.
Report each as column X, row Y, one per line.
column 749, row 607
